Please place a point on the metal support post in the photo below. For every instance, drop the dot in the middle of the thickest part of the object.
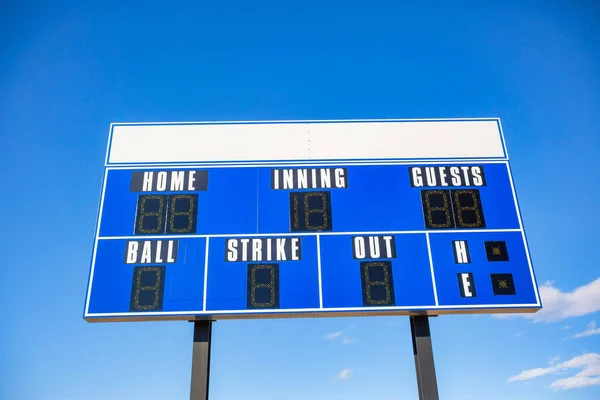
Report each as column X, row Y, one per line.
column 201, row 360
column 423, row 351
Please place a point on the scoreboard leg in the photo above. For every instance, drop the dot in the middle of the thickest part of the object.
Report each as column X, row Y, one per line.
column 201, row 360
column 423, row 351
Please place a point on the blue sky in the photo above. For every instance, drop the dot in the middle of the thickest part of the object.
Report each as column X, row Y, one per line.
column 68, row 70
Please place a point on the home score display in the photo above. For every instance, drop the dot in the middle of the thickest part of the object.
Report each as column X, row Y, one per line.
column 211, row 232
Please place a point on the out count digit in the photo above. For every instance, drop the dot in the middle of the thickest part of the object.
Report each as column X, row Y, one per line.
column 377, row 283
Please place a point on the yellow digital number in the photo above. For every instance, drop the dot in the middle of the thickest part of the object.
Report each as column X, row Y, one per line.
column 189, row 213
column 322, row 210
column 143, row 214
column 254, row 286
column 385, row 283
column 461, row 208
column 445, row 208
column 154, row 288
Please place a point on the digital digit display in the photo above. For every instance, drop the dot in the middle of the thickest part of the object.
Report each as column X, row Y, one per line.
column 459, row 208
column 150, row 214
column 310, row 211
column 147, row 289
column 437, row 209
column 182, row 213
column 171, row 214
column 377, row 283
column 467, row 208
column 263, row 286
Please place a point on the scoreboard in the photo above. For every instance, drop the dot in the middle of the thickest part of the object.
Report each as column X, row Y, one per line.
column 308, row 219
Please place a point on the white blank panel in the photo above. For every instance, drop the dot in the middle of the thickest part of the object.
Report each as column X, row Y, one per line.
column 304, row 141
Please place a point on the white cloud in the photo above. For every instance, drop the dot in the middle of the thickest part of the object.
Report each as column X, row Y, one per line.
column 344, row 374
column 592, row 329
column 554, row 360
column 532, row 373
column 518, row 334
column 348, row 340
column 333, row 335
column 558, row 305
column 336, row 335
column 575, row 382
column 589, row 374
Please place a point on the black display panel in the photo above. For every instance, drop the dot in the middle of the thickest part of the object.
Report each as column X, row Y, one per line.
column 310, row 211
column 150, row 214
column 182, row 213
column 160, row 214
column 448, row 209
column 437, row 209
column 496, row 251
column 503, row 284
column 147, row 288
column 466, row 204
column 263, row 286
column 377, row 283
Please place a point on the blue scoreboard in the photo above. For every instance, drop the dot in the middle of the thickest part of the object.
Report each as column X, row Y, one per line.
column 308, row 219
